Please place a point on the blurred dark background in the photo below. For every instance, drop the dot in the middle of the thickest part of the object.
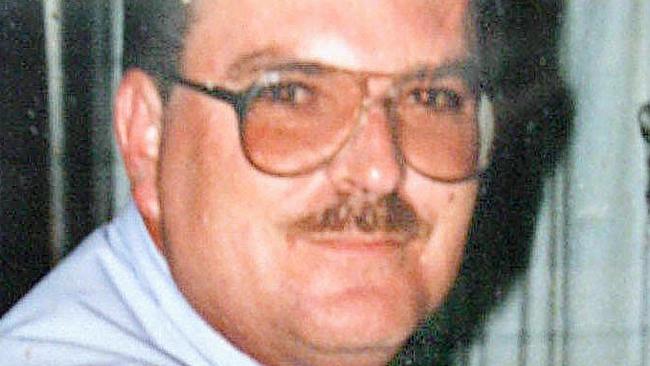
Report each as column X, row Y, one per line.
column 80, row 152
column 24, row 183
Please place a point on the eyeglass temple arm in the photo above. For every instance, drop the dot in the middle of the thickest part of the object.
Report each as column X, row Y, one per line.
column 226, row 95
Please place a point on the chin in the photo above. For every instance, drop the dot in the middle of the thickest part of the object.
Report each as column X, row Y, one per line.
column 363, row 320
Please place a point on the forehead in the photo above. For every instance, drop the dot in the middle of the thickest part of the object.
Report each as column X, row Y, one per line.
column 369, row 35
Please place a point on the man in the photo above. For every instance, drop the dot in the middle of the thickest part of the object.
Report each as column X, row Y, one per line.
column 302, row 185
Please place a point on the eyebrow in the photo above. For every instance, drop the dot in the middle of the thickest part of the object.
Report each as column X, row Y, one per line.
column 254, row 61
column 459, row 67
column 466, row 68
column 273, row 58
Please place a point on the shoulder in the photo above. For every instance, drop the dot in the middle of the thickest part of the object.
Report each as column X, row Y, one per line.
column 78, row 314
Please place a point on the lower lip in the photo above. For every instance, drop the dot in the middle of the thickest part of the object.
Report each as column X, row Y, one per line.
column 358, row 246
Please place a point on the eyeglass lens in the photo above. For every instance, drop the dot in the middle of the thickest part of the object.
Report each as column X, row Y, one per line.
column 300, row 120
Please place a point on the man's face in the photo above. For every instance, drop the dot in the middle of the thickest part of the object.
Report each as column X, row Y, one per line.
column 236, row 238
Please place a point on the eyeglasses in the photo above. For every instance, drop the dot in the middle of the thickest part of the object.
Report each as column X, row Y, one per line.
column 294, row 118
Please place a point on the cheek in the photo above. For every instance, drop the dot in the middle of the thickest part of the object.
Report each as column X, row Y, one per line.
column 220, row 214
column 451, row 196
column 448, row 208
column 208, row 158
column 203, row 168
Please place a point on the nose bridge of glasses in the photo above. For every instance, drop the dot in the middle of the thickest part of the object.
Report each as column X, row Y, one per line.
column 376, row 90
column 374, row 116
column 369, row 160
column 377, row 86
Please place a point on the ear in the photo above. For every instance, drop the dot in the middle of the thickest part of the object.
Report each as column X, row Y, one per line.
column 137, row 125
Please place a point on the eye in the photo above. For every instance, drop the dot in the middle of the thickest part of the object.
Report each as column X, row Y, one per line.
column 437, row 99
column 285, row 93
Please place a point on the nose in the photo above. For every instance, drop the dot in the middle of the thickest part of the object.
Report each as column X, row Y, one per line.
column 368, row 163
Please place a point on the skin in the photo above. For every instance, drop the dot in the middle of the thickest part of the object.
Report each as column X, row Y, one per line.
column 226, row 228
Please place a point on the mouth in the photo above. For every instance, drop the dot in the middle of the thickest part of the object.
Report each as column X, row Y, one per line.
column 358, row 242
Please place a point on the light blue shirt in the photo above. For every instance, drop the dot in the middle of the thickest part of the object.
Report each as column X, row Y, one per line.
column 112, row 302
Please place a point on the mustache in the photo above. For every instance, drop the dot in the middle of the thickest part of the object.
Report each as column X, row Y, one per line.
column 389, row 214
